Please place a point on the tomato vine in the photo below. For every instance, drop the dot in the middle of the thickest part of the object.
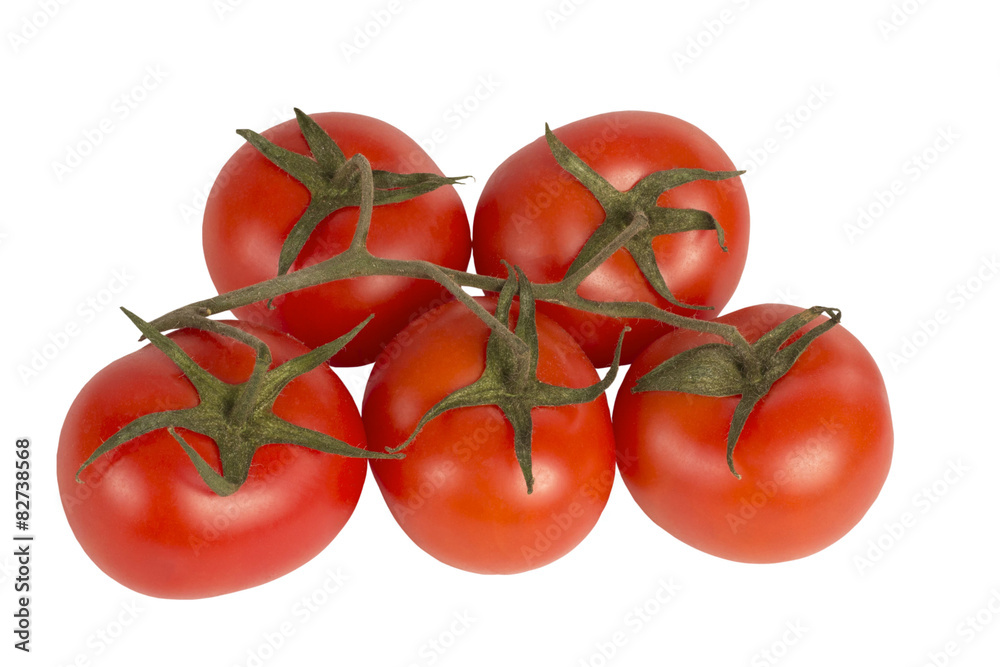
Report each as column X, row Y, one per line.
column 633, row 219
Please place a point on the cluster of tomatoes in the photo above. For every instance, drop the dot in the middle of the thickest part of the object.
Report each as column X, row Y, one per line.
column 156, row 504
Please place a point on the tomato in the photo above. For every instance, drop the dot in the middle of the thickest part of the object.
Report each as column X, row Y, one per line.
column 813, row 454
column 145, row 516
column 459, row 493
column 253, row 206
column 537, row 216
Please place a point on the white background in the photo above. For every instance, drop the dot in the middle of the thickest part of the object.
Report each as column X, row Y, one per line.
column 865, row 96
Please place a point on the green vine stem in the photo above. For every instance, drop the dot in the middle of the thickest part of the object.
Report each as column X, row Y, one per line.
column 356, row 261
column 632, row 221
column 238, row 417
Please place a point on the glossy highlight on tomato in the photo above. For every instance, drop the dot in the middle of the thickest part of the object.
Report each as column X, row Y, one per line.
column 459, row 493
column 813, row 454
column 145, row 516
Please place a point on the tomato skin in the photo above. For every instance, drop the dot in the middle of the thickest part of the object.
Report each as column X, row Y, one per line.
column 813, row 454
column 536, row 216
column 253, row 205
column 148, row 520
column 459, row 493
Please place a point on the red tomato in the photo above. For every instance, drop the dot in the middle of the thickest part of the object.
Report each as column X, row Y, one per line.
column 459, row 493
column 253, row 205
column 813, row 455
column 145, row 516
column 537, row 216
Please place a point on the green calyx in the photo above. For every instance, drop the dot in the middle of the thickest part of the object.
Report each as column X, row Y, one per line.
column 332, row 182
column 239, row 418
column 719, row 369
column 509, row 380
column 621, row 208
